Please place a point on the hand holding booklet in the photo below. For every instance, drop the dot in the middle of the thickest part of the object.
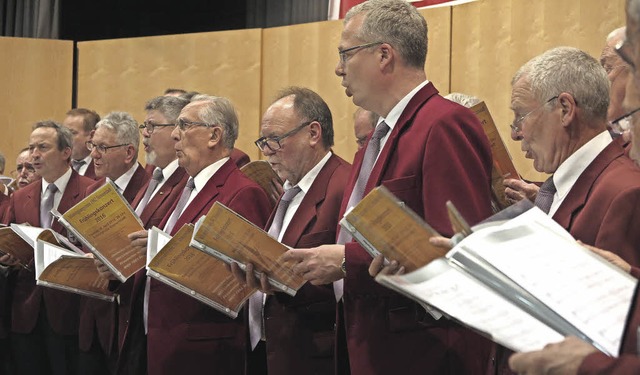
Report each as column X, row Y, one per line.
column 173, row 262
column 525, row 283
column 229, row 237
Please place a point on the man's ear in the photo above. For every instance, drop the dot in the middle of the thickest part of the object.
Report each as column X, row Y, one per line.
column 569, row 106
column 315, row 133
column 131, row 153
column 216, row 136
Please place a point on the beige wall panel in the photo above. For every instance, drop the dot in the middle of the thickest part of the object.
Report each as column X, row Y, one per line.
column 36, row 76
column 122, row 74
column 493, row 38
column 306, row 55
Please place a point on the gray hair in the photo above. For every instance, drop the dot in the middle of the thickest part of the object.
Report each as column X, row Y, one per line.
column 125, row 127
column 65, row 138
column 219, row 111
column 311, row 107
column 168, row 106
column 395, row 22
column 568, row 69
column 463, row 99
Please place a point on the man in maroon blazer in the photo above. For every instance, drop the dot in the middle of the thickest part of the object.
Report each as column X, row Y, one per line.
column 185, row 335
column 432, row 150
column 573, row 356
column 114, row 149
column 44, row 324
column 82, row 122
column 152, row 204
column 297, row 135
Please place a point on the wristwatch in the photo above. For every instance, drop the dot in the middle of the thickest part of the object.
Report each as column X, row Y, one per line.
column 343, row 266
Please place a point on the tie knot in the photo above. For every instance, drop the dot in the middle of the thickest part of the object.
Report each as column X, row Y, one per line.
column 290, row 194
column 191, row 184
column 76, row 164
column 157, row 174
column 381, row 131
column 548, row 186
column 52, row 188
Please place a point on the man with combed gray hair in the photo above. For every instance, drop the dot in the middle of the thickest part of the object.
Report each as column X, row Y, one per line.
column 114, row 149
column 560, row 102
column 185, row 335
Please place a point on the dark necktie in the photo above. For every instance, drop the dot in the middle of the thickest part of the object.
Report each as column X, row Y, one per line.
column 153, row 184
column 278, row 218
column 77, row 164
column 544, row 199
column 184, row 198
column 47, row 205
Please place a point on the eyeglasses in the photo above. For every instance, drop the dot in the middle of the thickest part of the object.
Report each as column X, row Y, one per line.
column 151, row 126
column 623, row 50
column 102, row 149
column 273, row 143
column 622, row 123
column 343, row 53
column 185, row 125
column 28, row 166
column 516, row 125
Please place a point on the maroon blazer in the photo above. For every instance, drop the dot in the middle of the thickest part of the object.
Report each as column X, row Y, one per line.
column 300, row 330
column 132, row 291
column 436, row 152
column 239, row 157
column 98, row 317
column 603, row 207
column 185, row 335
column 61, row 307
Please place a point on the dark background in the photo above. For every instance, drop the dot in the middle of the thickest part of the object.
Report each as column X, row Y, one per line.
column 82, row 20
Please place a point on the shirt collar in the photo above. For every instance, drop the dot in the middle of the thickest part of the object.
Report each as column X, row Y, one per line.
column 124, row 179
column 169, row 169
column 305, row 182
column 206, row 173
column 570, row 170
column 396, row 111
column 61, row 182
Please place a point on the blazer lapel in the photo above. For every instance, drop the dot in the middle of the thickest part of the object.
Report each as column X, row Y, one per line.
column 577, row 196
column 405, row 120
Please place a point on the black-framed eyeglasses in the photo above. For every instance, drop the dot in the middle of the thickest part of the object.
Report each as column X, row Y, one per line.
column 623, row 123
column 273, row 143
column 623, row 50
column 151, row 126
column 516, row 125
column 102, row 149
column 185, row 125
column 343, row 54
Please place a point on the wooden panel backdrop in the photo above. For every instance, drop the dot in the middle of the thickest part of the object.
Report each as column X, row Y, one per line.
column 122, row 74
column 36, row 79
column 493, row 38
